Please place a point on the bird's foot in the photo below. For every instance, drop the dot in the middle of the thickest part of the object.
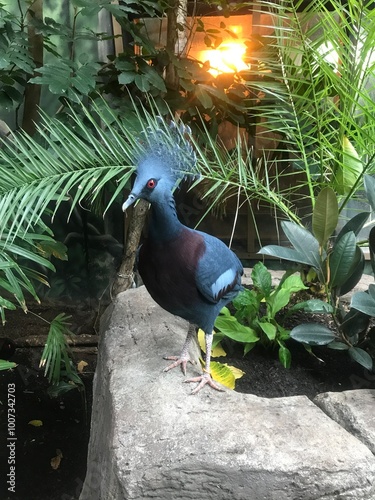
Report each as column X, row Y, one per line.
column 178, row 361
column 204, row 380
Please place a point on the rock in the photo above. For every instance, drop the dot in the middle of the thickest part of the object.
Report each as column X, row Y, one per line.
column 151, row 439
column 353, row 410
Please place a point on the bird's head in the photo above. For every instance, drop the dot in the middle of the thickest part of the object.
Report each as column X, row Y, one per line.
column 167, row 158
column 151, row 183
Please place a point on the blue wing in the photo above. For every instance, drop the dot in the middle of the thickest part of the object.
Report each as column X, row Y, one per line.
column 219, row 271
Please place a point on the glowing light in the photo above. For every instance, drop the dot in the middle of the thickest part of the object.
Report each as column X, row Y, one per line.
column 228, row 58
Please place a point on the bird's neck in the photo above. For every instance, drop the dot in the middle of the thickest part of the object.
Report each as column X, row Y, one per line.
column 164, row 224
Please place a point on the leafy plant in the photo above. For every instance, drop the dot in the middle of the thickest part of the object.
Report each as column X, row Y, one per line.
column 257, row 313
column 56, row 358
column 338, row 262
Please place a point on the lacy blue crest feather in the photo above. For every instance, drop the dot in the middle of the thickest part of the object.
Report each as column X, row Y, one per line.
column 167, row 152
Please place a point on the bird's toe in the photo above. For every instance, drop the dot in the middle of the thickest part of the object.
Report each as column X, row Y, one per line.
column 178, row 361
column 203, row 380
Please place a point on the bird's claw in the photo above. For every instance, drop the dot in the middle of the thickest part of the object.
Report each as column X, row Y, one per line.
column 178, row 360
column 203, row 380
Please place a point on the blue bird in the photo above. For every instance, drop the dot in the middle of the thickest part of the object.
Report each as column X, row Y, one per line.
column 189, row 273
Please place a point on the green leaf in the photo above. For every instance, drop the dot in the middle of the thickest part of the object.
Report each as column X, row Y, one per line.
column 355, row 274
column 343, row 259
column 312, row 334
column 269, row 329
column 304, row 242
column 313, row 306
column 142, row 83
column 355, row 224
column 325, row 215
column 371, row 244
column 203, row 97
column 262, row 279
column 339, row 346
column 235, row 330
column 364, row 302
column 369, row 183
column 6, row 365
column 127, row 77
column 285, row 356
column 293, row 284
column 362, row 357
column 279, row 299
column 286, row 254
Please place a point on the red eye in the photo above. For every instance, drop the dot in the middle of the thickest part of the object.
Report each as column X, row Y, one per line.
column 151, row 183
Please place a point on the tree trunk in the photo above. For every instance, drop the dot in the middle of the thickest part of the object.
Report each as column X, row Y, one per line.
column 170, row 72
column 125, row 276
column 32, row 91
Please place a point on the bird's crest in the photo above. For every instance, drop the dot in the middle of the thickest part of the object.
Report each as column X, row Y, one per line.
column 167, row 151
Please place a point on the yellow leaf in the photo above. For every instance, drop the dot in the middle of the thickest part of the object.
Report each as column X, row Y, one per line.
column 221, row 373
column 36, row 423
column 216, row 352
column 236, row 371
column 81, row 365
column 55, row 461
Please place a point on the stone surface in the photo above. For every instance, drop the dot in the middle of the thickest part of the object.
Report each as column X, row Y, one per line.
column 151, row 439
column 353, row 410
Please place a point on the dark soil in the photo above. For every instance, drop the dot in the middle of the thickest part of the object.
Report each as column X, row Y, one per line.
column 66, row 419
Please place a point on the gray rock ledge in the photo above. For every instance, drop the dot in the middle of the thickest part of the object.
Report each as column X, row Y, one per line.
column 151, row 439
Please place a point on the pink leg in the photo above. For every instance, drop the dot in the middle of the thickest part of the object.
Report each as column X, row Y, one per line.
column 206, row 377
column 183, row 359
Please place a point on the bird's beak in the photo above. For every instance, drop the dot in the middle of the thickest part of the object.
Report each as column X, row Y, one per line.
column 131, row 199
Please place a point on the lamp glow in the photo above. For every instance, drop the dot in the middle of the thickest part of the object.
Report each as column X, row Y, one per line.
column 228, row 58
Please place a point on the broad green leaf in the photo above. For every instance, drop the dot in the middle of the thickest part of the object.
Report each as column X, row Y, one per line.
column 355, row 224
column 343, row 259
column 286, row 254
column 269, row 329
column 339, row 346
column 362, row 357
column 312, row 306
column 304, row 243
column 325, row 215
column 350, row 170
column 285, row 356
column 247, row 347
column 312, row 334
column 293, row 284
column 127, row 77
column 203, row 97
column 279, row 299
column 369, row 183
column 363, row 302
column 371, row 244
column 355, row 274
column 235, row 330
column 6, row 365
column 262, row 279
column 354, row 323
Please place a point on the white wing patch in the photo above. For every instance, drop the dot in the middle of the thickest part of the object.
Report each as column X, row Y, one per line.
column 222, row 282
